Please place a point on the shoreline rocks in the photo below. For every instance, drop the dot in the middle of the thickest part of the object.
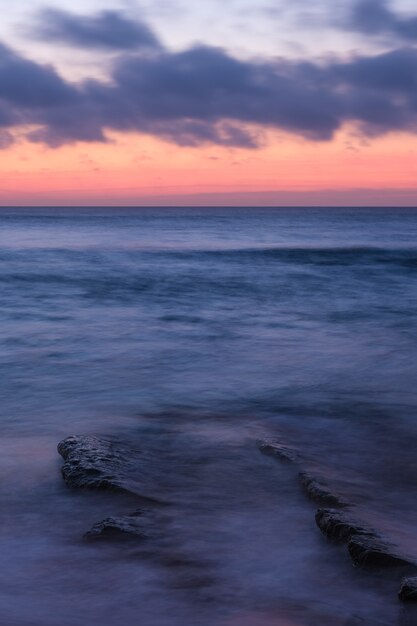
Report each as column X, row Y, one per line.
column 408, row 590
column 273, row 448
column 365, row 546
column 373, row 551
column 338, row 526
column 135, row 525
column 92, row 462
column 319, row 492
column 97, row 463
column 315, row 488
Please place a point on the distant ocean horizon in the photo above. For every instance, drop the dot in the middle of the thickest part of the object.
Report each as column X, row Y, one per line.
column 128, row 207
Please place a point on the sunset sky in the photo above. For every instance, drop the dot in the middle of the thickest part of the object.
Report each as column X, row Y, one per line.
column 248, row 102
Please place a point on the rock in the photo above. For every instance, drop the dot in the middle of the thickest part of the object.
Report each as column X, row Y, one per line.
column 374, row 551
column 95, row 463
column 408, row 590
column 319, row 492
column 366, row 547
column 273, row 448
column 133, row 526
column 315, row 489
column 338, row 526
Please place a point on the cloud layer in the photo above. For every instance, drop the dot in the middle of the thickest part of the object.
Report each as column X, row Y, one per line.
column 202, row 94
column 106, row 30
column 375, row 17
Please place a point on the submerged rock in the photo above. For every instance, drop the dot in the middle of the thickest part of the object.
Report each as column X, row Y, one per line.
column 273, row 448
column 133, row 526
column 319, row 492
column 93, row 463
column 366, row 547
column 373, row 551
column 97, row 463
column 339, row 526
column 408, row 590
column 314, row 487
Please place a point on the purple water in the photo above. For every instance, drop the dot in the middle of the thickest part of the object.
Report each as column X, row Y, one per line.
column 191, row 334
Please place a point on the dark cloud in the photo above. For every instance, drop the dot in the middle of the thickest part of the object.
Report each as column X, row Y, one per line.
column 206, row 84
column 30, row 85
column 376, row 17
column 391, row 72
column 107, row 30
column 205, row 95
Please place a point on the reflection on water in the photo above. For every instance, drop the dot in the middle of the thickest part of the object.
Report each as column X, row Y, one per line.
column 191, row 334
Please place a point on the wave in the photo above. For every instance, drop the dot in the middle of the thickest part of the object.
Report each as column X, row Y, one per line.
column 350, row 255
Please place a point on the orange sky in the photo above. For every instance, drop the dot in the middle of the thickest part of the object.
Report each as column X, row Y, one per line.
column 71, row 69
column 135, row 169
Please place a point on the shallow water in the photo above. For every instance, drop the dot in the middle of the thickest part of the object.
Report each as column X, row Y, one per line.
column 191, row 334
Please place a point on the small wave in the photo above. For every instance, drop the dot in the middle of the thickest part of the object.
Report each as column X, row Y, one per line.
column 324, row 255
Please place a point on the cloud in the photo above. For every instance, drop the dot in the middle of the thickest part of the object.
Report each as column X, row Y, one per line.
column 29, row 85
column 376, row 17
column 110, row 30
column 206, row 95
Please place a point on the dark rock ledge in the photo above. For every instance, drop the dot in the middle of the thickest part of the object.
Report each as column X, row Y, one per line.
column 273, row 448
column 366, row 547
column 93, row 463
column 408, row 591
column 339, row 523
column 315, row 488
column 340, row 526
column 320, row 492
column 137, row 525
column 375, row 552
column 97, row 463
column 100, row 463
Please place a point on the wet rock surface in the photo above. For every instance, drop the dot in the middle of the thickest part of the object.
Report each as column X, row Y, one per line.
column 94, row 463
column 319, row 492
column 158, row 534
column 374, row 551
column 340, row 526
column 137, row 525
column 408, row 590
column 98, row 463
column 314, row 487
column 366, row 547
column 338, row 521
column 276, row 449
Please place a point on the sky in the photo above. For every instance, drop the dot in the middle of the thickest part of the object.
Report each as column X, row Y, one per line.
column 244, row 102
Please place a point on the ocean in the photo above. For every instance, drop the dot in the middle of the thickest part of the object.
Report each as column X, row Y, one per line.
column 192, row 335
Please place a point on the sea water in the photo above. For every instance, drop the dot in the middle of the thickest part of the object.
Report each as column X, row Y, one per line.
column 193, row 334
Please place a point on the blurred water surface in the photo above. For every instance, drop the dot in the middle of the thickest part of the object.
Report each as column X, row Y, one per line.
column 194, row 332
